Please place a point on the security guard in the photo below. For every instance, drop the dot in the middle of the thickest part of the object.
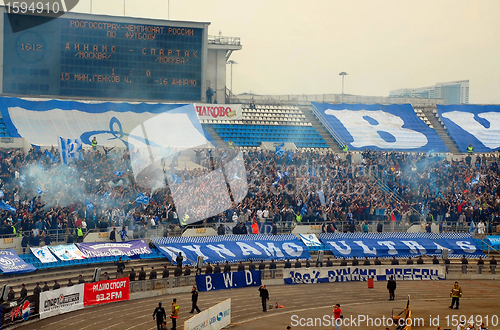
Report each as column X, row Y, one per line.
column 79, row 234
column 94, row 143
column 230, row 144
column 175, row 314
column 185, row 219
column 346, row 148
column 470, row 149
column 160, row 315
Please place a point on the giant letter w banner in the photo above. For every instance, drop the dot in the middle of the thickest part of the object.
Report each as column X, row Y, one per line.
column 219, row 281
column 11, row 263
column 61, row 301
column 233, row 248
column 18, row 311
column 400, row 245
column 362, row 273
column 106, row 291
column 214, row 318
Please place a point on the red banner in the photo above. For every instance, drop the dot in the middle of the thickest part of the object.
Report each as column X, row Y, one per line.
column 106, row 291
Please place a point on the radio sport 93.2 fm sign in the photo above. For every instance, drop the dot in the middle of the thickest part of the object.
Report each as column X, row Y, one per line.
column 19, row 310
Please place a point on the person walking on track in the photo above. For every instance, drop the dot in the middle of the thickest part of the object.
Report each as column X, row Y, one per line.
column 194, row 300
column 160, row 316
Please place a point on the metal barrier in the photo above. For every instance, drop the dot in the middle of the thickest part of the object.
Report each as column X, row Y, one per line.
column 268, row 274
column 162, row 283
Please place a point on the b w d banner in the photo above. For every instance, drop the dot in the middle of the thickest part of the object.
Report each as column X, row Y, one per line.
column 61, row 301
column 362, row 273
column 43, row 254
column 109, row 249
column 400, row 245
column 106, row 291
column 67, row 252
column 220, row 281
column 233, row 248
column 214, row 318
column 11, row 263
column 381, row 127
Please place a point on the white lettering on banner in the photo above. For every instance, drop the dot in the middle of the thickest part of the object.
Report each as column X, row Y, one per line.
column 109, row 286
column 248, row 277
column 365, row 127
column 270, row 249
column 292, row 249
column 228, row 279
column 195, row 249
column 440, row 248
column 208, row 283
column 390, row 245
column 219, row 249
column 467, row 246
column 366, row 249
column 490, row 137
column 214, row 318
column 345, row 251
column 413, row 245
column 247, row 250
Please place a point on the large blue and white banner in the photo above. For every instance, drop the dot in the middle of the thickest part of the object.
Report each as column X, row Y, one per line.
column 112, row 123
column 43, row 254
column 110, row 249
column 220, row 281
column 381, row 127
column 362, row 273
column 11, row 263
column 476, row 125
column 400, row 245
column 233, row 248
column 494, row 241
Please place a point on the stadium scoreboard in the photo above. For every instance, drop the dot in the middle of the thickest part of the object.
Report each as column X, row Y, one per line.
column 104, row 57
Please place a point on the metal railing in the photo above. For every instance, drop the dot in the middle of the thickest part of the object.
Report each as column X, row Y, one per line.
column 221, row 40
column 162, row 283
column 330, row 130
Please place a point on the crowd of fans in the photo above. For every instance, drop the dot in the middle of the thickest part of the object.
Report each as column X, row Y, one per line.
column 306, row 186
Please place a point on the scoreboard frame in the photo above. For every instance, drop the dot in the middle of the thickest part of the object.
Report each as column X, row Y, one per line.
column 115, row 19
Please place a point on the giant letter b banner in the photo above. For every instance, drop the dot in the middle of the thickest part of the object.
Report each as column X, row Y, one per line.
column 219, row 281
column 106, row 291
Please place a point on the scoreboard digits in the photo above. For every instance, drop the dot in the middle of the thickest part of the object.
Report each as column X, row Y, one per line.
column 103, row 59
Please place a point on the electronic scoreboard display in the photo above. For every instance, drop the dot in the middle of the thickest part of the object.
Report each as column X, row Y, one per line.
column 103, row 57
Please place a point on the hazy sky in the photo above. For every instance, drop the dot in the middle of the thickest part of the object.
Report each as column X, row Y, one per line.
column 299, row 47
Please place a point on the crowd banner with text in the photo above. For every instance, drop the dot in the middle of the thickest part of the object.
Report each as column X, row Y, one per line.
column 60, row 301
column 380, row 127
column 231, row 280
column 103, row 292
column 43, row 254
column 265, row 228
column 67, row 252
column 400, row 245
column 18, row 311
column 11, row 263
column 475, row 125
column 219, row 111
column 110, row 249
column 214, row 318
column 233, row 248
column 363, row 273
column 494, row 241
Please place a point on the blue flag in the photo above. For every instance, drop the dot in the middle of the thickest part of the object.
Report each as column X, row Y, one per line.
column 142, row 199
column 475, row 181
column 70, row 149
column 52, row 158
column 175, row 178
column 472, row 227
column 118, row 173
column 290, row 157
column 89, row 205
column 280, row 176
column 1, row 194
column 22, row 179
column 304, row 209
column 40, row 191
column 31, row 206
column 5, row 206
column 280, row 150
column 106, row 194
column 321, row 196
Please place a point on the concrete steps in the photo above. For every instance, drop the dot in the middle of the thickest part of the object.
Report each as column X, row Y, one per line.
column 311, row 117
column 220, row 143
column 443, row 134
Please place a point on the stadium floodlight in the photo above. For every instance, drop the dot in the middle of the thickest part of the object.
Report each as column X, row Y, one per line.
column 343, row 74
column 231, row 62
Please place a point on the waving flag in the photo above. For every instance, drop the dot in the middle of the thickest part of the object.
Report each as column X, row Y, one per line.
column 280, row 150
column 175, row 178
column 475, row 181
column 472, row 227
column 321, row 196
column 118, row 173
column 142, row 199
column 89, row 205
column 31, row 206
column 70, row 149
column 5, row 206
column 22, row 180
column 52, row 158
column 304, row 209
column 1, row 194
column 106, row 194
column 290, row 157
column 40, row 191
column 280, row 176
